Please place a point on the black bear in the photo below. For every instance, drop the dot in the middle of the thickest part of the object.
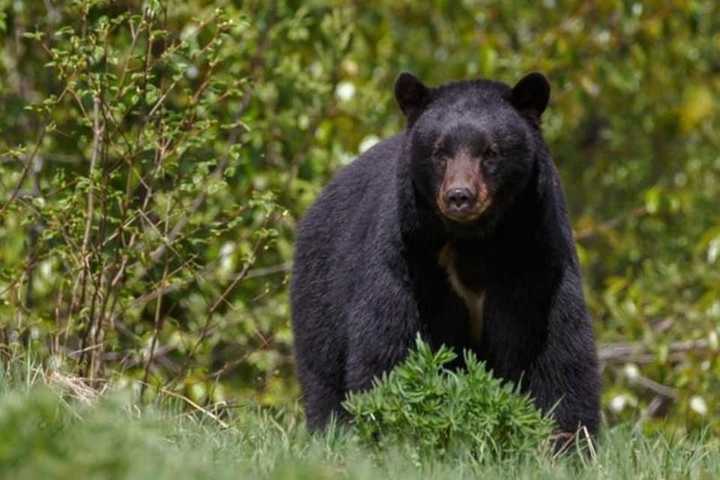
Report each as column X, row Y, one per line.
column 456, row 229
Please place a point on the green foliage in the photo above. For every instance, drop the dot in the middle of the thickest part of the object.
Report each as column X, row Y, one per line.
column 48, row 433
column 48, row 438
column 437, row 411
column 155, row 157
column 123, row 227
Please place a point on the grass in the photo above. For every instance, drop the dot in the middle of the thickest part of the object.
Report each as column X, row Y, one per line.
column 51, row 429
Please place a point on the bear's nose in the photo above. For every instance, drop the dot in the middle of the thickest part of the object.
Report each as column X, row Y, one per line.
column 459, row 199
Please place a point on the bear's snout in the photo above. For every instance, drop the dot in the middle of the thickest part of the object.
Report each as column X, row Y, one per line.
column 463, row 195
column 460, row 200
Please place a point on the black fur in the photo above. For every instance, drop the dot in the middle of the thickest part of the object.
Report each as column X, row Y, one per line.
column 366, row 276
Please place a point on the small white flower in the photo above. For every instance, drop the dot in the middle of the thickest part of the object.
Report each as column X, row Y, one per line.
column 192, row 72
column 618, row 403
column 713, row 250
column 227, row 249
column 368, row 143
column 226, row 260
column 603, row 37
column 713, row 340
column 345, row 91
column 188, row 32
column 46, row 269
column 632, row 372
column 698, row 405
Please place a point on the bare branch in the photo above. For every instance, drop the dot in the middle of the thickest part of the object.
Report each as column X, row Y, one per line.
column 588, row 233
column 614, row 353
column 26, row 171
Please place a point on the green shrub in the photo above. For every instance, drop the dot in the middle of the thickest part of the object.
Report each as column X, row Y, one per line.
column 436, row 410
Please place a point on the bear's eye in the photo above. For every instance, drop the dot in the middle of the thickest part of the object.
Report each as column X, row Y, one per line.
column 442, row 151
column 440, row 157
column 440, row 162
column 490, row 160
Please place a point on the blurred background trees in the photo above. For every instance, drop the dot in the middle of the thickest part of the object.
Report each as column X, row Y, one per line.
column 155, row 157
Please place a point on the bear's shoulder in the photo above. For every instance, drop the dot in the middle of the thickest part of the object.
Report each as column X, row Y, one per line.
column 377, row 161
column 356, row 193
column 370, row 173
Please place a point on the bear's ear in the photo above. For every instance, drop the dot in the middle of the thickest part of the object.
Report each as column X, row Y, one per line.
column 531, row 95
column 411, row 94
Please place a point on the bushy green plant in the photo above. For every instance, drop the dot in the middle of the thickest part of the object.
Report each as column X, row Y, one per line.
column 437, row 410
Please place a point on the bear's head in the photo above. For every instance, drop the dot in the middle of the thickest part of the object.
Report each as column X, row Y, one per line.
column 472, row 145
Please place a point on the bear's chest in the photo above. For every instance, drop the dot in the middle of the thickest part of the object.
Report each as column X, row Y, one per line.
column 467, row 280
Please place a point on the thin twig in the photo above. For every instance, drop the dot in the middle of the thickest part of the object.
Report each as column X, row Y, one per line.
column 158, row 327
column 89, row 214
column 614, row 353
column 590, row 232
column 195, row 406
column 28, row 165
column 655, row 387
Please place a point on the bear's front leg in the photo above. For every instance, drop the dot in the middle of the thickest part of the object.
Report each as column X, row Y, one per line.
column 565, row 376
column 382, row 327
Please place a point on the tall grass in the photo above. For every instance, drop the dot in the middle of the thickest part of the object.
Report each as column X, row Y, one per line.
column 52, row 427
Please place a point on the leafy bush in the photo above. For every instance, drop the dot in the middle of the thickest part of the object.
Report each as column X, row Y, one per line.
column 441, row 411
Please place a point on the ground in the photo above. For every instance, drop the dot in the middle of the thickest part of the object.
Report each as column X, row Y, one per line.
column 80, row 437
